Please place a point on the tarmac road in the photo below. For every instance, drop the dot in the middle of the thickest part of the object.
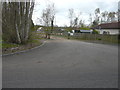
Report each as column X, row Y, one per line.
column 63, row 64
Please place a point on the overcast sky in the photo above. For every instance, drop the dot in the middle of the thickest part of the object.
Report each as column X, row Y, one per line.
column 84, row 6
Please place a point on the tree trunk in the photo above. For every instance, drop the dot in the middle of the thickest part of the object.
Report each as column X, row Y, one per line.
column 16, row 20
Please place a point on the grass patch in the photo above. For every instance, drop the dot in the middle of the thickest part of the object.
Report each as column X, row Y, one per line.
column 9, row 45
column 33, row 41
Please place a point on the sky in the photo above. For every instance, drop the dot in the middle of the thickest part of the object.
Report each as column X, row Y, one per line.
column 62, row 6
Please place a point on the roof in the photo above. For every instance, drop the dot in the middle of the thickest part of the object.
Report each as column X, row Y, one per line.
column 113, row 25
column 85, row 30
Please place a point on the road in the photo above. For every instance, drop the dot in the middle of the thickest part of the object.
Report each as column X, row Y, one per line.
column 63, row 64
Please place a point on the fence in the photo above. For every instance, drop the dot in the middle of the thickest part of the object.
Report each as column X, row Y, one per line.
column 103, row 38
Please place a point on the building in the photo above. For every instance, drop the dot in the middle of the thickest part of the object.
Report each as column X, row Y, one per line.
column 108, row 28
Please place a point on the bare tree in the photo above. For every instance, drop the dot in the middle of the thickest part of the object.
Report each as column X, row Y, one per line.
column 81, row 23
column 90, row 19
column 74, row 18
column 111, row 16
column 97, row 15
column 16, row 20
column 104, row 16
column 48, row 16
column 71, row 16
column 77, row 20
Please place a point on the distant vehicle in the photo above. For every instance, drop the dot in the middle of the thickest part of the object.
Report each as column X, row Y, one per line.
column 79, row 31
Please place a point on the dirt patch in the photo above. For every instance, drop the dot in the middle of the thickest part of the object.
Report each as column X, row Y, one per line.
column 58, row 38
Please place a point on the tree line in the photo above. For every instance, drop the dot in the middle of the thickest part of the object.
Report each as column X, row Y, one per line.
column 96, row 18
column 104, row 17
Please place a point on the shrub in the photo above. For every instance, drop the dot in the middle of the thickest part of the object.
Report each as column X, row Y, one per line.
column 95, row 32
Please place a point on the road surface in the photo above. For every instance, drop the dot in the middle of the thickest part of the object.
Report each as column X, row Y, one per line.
column 63, row 64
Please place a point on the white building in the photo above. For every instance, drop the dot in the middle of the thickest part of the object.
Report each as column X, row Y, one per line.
column 108, row 28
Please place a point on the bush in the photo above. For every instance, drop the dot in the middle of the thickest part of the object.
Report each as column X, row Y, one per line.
column 95, row 32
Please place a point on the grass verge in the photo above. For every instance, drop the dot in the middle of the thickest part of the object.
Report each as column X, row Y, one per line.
column 34, row 41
